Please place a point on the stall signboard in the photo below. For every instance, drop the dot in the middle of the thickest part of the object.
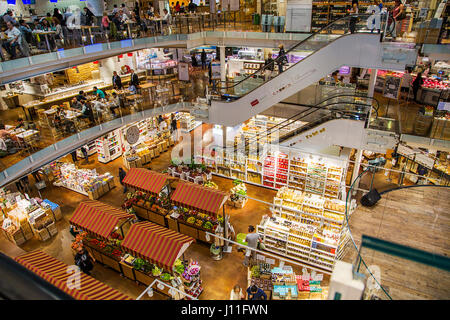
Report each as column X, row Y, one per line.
column 444, row 106
column 183, row 71
column 391, row 87
column 225, row 4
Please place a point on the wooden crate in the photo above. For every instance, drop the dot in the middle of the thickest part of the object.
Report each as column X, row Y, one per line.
column 143, row 278
column 52, row 229
column 111, row 262
column 141, row 212
column 156, row 218
column 172, row 224
column 127, row 271
column 57, row 215
column 42, row 234
column 189, row 231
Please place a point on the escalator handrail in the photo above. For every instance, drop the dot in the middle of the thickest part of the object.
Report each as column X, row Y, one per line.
column 272, row 64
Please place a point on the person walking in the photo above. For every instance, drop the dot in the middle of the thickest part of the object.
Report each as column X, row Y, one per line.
column 85, row 153
column 269, row 66
column 203, row 59
column 417, row 84
column 281, row 59
column 134, row 79
column 252, row 240
column 84, row 260
column 74, row 156
column 398, row 14
column 236, row 293
column 122, row 175
column 89, row 16
column 354, row 16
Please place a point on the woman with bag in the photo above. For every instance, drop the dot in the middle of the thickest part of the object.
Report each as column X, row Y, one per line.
column 398, row 14
column 84, row 260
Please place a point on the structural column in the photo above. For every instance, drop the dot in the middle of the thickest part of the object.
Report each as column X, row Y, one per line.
column 356, row 167
column 372, row 81
column 222, row 64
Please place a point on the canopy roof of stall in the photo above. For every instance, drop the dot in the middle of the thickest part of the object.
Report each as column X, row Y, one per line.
column 145, row 180
column 56, row 273
column 194, row 196
column 97, row 218
column 155, row 244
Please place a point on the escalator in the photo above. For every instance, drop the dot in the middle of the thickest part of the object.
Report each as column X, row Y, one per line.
column 357, row 109
column 330, row 49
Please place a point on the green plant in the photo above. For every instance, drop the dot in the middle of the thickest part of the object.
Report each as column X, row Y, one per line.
column 138, row 263
column 156, row 271
column 255, row 271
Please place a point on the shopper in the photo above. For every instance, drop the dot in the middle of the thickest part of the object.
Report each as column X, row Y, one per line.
column 81, row 96
column 416, row 85
column 74, row 231
column 255, row 293
column 74, row 156
column 25, row 183
column 406, row 83
column 134, row 79
column 177, row 7
column 58, row 15
column 236, row 293
column 122, row 175
column 203, row 59
column 26, row 31
column 99, row 93
column 167, row 19
column 116, row 81
column 269, row 66
column 84, row 260
column 20, row 123
column 173, row 122
column 86, row 112
column 114, row 103
column 192, row 7
column 354, row 16
column 59, row 36
column 151, row 10
column 89, row 16
column 12, row 41
column 281, row 59
column 125, row 10
column 8, row 17
column 252, row 240
column 105, row 22
column 84, row 150
column 194, row 60
column 398, row 14
column 115, row 9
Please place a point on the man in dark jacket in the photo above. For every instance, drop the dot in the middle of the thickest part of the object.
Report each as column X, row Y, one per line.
column 116, row 81
column 122, row 175
column 134, row 80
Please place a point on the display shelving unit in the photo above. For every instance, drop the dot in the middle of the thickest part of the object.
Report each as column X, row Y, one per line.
column 92, row 149
column 188, row 122
column 297, row 170
column 109, row 147
column 308, row 228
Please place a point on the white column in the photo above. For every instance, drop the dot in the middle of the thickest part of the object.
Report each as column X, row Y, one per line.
column 222, row 64
column 356, row 167
column 372, row 81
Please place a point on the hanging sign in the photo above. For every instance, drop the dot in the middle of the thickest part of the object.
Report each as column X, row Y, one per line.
column 215, row 70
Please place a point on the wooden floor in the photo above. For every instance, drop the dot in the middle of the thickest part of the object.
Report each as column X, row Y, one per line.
column 415, row 217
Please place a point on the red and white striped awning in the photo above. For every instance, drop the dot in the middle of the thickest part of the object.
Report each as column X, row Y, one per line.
column 145, row 180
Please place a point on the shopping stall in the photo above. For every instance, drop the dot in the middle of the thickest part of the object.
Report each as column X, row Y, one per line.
column 196, row 210
column 23, row 218
column 85, row 181
column 150, row 193
column 155, row 252
column 105, row 227
column 55, row 272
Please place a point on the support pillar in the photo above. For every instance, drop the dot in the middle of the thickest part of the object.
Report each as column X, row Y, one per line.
column 222, row 64
column 356, row 167
column 372, row 81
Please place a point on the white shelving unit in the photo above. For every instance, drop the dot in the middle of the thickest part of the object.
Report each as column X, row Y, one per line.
column 92, row 148
column 321, row 175
column 188, row 122
column 307, row 229
column 109, row 147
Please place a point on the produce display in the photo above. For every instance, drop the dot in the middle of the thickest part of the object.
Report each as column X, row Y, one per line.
column 196, row 173
column 238, row 194
column 198, row 219
column 428, row 82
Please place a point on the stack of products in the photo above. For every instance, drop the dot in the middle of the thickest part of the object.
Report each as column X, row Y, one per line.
column 84, row 181
column 27, row 218
column 196, row 173
column 238, row 194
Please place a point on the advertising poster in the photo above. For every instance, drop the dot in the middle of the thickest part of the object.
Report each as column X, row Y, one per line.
column 183, row 71
column 215, row 70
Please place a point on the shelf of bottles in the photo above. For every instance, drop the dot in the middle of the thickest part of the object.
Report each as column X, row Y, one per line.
column 307, row 228
column 288, row 167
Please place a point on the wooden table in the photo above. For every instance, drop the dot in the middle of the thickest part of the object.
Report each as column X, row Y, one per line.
column 150, row 86
column 89, row 28
column 46, row 34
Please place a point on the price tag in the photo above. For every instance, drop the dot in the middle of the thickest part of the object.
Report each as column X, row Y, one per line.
column 270, row 261
column 319, row 277
column 260, row 257
column 306, row 277
column 281, row 264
